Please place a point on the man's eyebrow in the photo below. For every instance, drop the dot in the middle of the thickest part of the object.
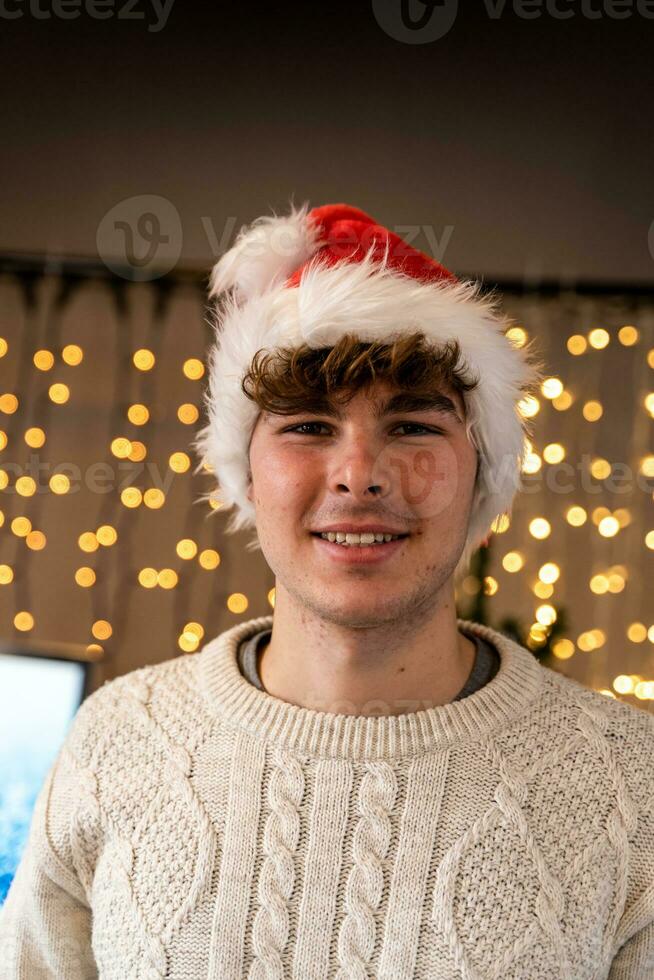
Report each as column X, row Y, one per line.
column 401, row 402
column 408, row 402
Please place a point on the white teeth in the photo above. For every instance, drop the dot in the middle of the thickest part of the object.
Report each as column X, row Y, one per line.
column 349, row 539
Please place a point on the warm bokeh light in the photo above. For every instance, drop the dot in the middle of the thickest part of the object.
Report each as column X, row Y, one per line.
column 43, row 360
column 137, row 451
column 628, row 336
column 24, row 621
column 106, row 535
column 532, row 463
column 179, row 462
column 209, row 558
column 59, row 393
column 608, row 527
column 143, row 359
column 193, row 368
column 21, row 526
column 34, row 437
column 101, row 629
column 546, row 614
column 599, row 338
column 72, row 355
column 592, row 411
column 85, row 576
column 539, row 528
column 237, row 602
column 138, row 414
column 551, row 387
column 517, row 336
column 563, row 402
column 121, row 447
column 549, row 572
column 188, row 414
column 554, row 453
column 186, row 548
column 148, row 578
column 8, row 403
column 59, row 483
column 600, row 468
column 637, row 632
column 528, row 406
column 131, row 497
column 154, row 498
column 25, row 486
column 513, row 561
column 576, row 344
column 167, row 578
column 36, row 540
column 87, row 541
column 563, row 649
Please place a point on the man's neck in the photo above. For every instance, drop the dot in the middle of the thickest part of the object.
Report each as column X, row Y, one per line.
column 389, row 669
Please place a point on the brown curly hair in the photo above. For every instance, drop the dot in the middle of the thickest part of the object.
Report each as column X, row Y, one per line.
column 288, row 381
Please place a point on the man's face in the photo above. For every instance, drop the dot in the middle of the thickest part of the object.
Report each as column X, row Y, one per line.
column 411, row 471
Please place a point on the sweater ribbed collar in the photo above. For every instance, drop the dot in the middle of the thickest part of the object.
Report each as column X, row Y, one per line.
column 323, row 734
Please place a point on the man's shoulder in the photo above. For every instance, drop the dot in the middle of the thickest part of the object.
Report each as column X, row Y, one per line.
column 142, row 704
column 607, row 708
column 618, row 737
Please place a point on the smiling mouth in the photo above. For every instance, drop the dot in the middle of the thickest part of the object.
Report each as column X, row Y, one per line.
column 364, row 540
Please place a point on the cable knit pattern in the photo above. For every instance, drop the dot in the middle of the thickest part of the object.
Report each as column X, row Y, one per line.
column 365, row 882
column 193, row 826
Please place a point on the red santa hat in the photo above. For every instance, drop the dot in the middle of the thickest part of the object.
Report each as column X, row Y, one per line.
column 314, row 275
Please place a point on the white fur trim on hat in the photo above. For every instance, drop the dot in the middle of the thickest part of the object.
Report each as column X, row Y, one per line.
column 264, row 253
column 381, row 304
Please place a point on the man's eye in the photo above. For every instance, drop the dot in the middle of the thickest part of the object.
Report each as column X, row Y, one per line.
column 417, row 425
column 303, row 425
column 402, row 425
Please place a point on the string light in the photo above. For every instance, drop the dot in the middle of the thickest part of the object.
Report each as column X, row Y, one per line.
column 43, row 360
column 599, row 338
column 540, row 528
column 628, row 336
column 143, row 359
column 193, row 368
column 209, row 558
column 138, row 414
column 552, row 387
column 188, row 414
column 237, row 602
column 72, row 354
column 59, row 393
column 592, row 411
column 513, row 561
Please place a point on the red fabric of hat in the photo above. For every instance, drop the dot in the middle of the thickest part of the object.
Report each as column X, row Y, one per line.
column 347, row 233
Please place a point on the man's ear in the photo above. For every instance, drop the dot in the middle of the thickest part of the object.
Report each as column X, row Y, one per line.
column 249, row 490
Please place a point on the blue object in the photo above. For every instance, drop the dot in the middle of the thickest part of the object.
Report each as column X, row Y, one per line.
column 39, row 697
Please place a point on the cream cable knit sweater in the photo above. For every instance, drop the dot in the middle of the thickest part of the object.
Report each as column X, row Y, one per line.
column 195, row 827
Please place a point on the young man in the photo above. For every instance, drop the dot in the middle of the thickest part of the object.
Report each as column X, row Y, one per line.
column 362, row 785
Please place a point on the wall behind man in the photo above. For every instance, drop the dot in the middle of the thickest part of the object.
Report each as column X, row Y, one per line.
column 517, row 143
